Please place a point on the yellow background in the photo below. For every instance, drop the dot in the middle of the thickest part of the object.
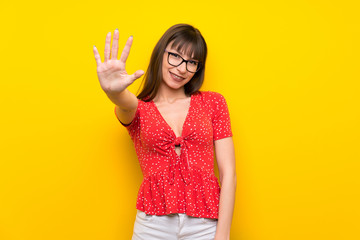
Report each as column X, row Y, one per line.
column 289, row 71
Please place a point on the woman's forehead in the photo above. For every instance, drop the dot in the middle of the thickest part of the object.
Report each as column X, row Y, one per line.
column 186, row 49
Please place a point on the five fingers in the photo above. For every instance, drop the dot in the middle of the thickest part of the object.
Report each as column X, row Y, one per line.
column 114, row 52
column 114, row 49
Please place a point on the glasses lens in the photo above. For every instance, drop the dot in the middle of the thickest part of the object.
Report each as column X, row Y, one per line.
column 192, row 66
column 174, row 59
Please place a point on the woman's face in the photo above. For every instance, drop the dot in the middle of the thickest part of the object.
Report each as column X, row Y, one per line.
column 175, row 77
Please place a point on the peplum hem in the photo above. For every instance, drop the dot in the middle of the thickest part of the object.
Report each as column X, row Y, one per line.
column 199, row 198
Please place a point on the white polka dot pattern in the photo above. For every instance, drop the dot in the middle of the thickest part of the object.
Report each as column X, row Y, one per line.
column 185, row 183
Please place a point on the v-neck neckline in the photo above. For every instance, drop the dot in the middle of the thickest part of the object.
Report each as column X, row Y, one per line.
column 187, row 115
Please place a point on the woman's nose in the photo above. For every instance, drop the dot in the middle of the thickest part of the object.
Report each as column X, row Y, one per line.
column 182, row 67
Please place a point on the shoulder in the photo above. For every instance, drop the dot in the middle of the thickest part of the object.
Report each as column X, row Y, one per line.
column 211, row 97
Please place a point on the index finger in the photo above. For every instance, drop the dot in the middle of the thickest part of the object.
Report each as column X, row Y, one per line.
column 126, row 50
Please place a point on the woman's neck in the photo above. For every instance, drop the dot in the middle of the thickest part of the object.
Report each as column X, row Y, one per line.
column 169, row 95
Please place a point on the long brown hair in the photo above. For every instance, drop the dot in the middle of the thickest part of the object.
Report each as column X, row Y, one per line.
column 185, row 37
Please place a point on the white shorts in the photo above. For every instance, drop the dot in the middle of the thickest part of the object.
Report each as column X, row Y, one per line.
column 176, row 226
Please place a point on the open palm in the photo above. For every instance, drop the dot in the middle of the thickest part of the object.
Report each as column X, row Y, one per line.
column 112, row 73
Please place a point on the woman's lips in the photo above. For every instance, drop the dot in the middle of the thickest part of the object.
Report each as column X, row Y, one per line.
column 176, row 77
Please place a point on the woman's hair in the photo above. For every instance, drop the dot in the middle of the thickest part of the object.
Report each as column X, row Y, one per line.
column 185, row 38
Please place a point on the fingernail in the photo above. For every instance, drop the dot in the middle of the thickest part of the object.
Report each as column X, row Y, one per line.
column 117, row 29
column 131, row 36
column 94, row 46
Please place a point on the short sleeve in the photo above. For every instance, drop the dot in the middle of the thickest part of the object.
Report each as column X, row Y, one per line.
column 133, row 127
column 220, row 116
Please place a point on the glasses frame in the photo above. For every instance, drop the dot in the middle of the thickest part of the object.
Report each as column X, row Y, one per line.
column 183, row 60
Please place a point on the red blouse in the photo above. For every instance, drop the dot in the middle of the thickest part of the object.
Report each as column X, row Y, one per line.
column 185, row 183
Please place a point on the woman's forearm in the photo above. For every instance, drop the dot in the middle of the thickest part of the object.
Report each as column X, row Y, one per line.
column 126, row 105
column 125, row 100
column 226, row 206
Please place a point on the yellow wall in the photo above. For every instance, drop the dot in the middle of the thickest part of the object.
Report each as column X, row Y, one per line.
column 288, row 69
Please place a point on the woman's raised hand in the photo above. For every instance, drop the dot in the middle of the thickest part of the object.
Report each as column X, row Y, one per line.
column 111, row 73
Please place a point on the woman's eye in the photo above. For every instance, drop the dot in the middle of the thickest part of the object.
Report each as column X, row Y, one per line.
column 175, row 55
column 193, row 62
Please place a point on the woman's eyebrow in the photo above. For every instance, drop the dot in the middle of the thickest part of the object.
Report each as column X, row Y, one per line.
column 182, row 54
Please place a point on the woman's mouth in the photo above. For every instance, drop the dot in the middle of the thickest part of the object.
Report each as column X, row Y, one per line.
column 176, row 77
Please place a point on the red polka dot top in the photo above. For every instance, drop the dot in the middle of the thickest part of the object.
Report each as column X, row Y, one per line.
column 186, row 183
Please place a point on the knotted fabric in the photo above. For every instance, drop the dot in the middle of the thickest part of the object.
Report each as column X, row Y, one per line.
column 181, row 162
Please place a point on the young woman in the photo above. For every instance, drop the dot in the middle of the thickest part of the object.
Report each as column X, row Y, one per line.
column 175, row 128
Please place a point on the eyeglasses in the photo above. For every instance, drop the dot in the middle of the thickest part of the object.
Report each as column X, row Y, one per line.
column 176, row 60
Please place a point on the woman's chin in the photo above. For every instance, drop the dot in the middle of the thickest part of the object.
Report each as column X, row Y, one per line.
column 173, row 84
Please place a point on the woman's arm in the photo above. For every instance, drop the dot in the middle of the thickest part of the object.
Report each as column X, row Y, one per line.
column 114, row 79
column 127, row 99
column 225, row 157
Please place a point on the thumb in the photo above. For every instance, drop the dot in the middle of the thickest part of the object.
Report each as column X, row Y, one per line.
column 137, row 74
